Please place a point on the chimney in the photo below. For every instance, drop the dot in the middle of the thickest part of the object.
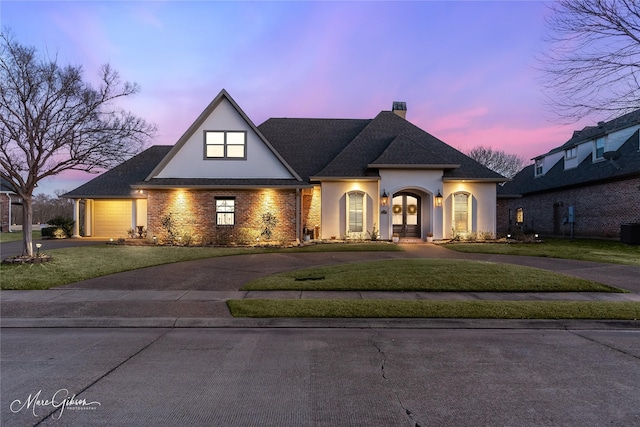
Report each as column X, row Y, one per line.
column 400, row 108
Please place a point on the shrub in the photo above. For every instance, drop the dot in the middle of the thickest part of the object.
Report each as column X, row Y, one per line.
column 64, row 223
column 53, row 233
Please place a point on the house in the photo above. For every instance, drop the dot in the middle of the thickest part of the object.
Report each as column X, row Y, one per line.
column 588, row 186
column 227, row 179
column 7, row 199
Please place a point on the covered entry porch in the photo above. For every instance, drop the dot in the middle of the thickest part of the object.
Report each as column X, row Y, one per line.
column 108, row 218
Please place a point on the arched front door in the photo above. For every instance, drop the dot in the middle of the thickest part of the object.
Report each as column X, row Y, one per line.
column 405, row 210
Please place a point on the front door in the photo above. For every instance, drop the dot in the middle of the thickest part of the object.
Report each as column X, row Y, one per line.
column 406, row 214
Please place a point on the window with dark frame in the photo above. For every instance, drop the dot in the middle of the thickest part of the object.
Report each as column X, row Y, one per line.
column 225, row 211
column 225, row 144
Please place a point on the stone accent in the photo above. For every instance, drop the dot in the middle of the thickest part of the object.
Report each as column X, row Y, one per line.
column 599, row 210
column 193, row 213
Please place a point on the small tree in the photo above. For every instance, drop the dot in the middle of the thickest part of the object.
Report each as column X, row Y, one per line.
column 505, row 164
column 52, row 121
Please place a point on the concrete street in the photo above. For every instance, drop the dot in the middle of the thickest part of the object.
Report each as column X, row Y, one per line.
column 158, row 347
column 322, row 377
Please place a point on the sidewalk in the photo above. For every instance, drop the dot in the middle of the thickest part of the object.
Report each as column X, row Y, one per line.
column 195, row 292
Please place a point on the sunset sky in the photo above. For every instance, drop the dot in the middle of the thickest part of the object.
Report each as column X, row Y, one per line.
column 467, row 70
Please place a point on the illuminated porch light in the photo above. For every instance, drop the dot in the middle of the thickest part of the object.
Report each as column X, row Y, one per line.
column 384, row 200
column 438, row 199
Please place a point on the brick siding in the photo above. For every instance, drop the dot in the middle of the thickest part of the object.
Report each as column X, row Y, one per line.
column 599, row 210
column 194, row 214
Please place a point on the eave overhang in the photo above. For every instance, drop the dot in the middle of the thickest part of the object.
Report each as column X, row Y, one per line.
column 416, row 166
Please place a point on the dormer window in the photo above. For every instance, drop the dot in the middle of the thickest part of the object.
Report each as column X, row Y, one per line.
column 571, row 153
column 225, row 145
column 599, row 148
column 539, row 169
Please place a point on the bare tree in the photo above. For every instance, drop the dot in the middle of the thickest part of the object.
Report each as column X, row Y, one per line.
column 593, row 61
column 505, row 164
column 51, row 121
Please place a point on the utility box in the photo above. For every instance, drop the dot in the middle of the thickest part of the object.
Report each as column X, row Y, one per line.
column 630, row 234
column 571, row 218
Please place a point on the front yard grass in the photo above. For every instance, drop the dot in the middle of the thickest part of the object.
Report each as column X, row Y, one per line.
column 71, row 265
column 17, row 236
column 438, row 275
column 579, row 249
column 331, row 308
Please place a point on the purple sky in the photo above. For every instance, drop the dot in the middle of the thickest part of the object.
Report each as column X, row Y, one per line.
column 465, row 69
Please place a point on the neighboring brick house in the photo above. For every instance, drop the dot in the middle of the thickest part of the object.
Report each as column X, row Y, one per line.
column 7, row 196
column 287, row 179
column 587, row 187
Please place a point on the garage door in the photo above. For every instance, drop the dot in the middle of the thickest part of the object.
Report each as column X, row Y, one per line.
column 111, row 218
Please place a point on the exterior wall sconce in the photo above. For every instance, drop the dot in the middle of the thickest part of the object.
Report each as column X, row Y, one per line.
column 438, row 199
column 384, row 202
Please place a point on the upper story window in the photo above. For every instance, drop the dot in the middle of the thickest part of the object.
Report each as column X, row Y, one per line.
column 225, row 144
column 571, row 153
column 539, row 169
column 599, row 148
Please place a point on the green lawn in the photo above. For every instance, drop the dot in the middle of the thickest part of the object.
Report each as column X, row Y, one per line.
column 440, row 275
column 17, row 236
column 70, row 265
column 580, row 249
column 435, row 309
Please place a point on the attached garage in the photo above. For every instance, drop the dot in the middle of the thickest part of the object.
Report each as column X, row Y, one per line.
column 112, row 218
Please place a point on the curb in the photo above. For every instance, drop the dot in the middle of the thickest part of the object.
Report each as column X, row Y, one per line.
column 342, row 323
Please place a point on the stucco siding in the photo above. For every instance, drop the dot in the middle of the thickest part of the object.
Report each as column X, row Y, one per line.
column 334, row 206
column 189, row 161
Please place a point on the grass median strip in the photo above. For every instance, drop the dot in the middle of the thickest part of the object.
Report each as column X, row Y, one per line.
column 438, row 275
column 332, row 308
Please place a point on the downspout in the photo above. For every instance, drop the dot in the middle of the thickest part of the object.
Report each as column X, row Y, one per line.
column 9, row 224
column 298, row 209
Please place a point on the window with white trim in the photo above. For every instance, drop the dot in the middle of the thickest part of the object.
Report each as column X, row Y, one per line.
column 539, row 167
column 355, row 211
column 225, row 211
column 461, row 212
column 225, row 144
column 571, row 153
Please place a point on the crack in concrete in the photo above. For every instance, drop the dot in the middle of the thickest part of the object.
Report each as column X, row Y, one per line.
column 406, row 410
column 593, row 340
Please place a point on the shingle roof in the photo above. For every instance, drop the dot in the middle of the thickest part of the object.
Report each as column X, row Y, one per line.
column 5, row 186
column 219, row 182
column 390, row 139
column 310, row 144
column 587, row 172
column 603, row 128
column 117, row 181
column 312, row 148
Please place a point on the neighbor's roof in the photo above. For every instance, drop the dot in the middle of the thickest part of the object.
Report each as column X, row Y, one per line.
column 5, row 186
column 590, row 133
column 586, row 173
column 117, row 181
